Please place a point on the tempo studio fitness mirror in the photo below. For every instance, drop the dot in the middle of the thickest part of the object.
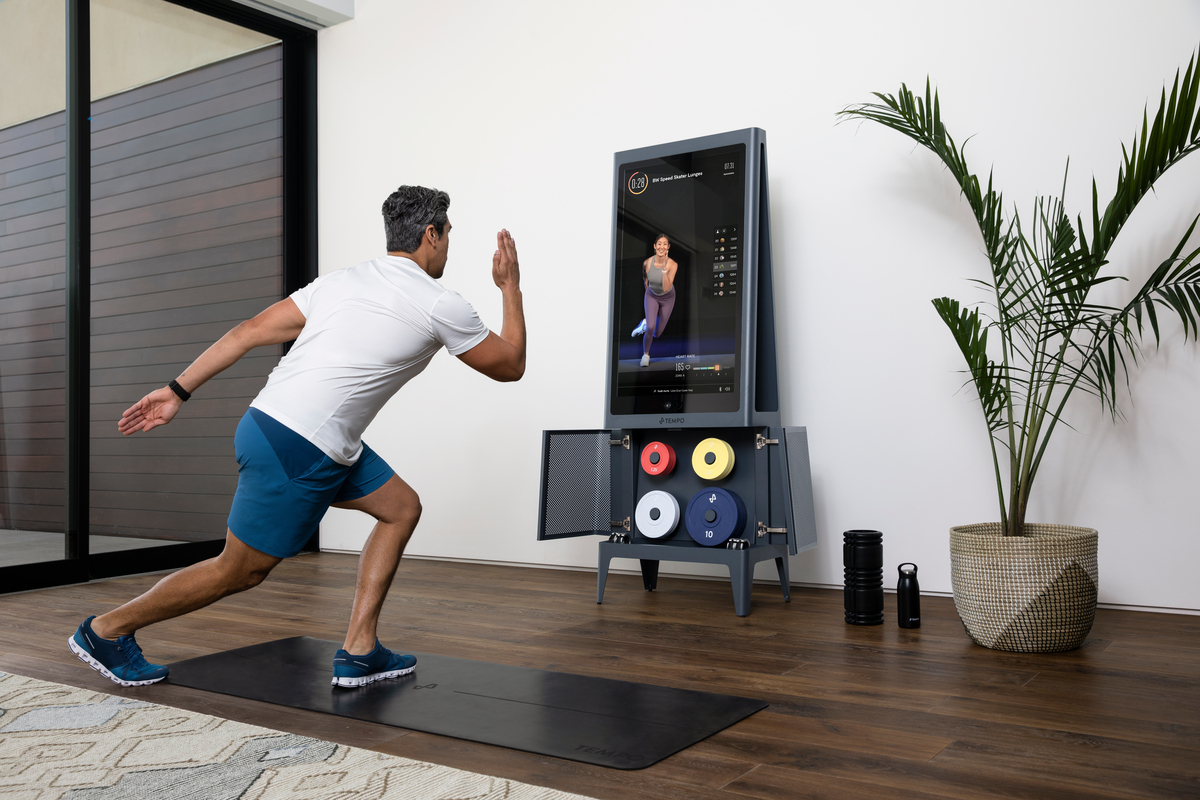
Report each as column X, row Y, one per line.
column 694, row 464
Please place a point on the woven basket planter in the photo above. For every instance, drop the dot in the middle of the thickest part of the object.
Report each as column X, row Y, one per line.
column 1030, row 594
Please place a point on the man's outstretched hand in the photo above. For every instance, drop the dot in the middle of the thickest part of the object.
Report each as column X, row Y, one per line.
column 502, row 357
column 157, row 408
column 505, row 270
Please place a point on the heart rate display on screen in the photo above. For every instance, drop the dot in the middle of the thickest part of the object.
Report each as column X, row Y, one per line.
column 678, row 284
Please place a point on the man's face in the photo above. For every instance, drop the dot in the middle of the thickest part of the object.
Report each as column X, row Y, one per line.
column 441, row 251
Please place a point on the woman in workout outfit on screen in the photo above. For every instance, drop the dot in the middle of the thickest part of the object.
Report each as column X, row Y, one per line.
column 658, row 275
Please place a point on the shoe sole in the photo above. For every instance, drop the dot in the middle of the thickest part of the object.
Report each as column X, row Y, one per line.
column 353, row 683
column 86, row 658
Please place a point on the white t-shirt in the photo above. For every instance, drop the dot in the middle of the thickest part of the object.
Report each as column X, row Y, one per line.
column 369, row 330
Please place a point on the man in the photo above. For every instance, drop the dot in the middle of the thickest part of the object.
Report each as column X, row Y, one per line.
column 360, row 334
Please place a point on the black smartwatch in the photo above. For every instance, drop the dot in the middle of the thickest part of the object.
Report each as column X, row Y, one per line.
column 183, row 393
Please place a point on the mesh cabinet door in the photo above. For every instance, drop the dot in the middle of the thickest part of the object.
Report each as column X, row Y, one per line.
column 577, row 484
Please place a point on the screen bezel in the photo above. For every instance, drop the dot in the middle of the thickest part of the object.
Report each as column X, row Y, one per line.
column 754, row 140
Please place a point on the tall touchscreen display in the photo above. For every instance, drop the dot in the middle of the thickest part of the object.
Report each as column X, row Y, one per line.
column 678, row 284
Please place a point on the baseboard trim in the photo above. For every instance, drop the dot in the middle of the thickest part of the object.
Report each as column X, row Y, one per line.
column 765, row 581
column 1151, row 609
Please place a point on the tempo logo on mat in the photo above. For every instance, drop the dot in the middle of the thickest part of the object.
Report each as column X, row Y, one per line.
column 638, row 182
column 600, row 751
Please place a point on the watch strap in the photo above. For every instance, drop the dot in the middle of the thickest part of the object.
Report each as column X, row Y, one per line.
column 183, row 393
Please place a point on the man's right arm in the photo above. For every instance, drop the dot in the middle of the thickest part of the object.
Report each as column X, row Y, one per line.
column 502, row 357
column 280, row 323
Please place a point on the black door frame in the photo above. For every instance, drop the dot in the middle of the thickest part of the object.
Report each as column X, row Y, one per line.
column 299, row 268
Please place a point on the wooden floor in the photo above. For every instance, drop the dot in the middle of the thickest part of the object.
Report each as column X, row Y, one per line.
column 856, row 712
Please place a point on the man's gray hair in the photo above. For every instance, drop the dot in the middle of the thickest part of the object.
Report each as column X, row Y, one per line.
column 408, row 211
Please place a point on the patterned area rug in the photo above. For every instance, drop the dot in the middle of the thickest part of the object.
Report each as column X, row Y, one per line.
column 61, row 742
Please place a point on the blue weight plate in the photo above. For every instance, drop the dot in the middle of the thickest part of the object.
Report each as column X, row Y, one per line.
column 727, row 512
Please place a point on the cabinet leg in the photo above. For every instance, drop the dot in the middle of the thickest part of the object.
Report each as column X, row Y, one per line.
column 649, row 574
column 602, row 575
column 781, row 564
column 741, row 575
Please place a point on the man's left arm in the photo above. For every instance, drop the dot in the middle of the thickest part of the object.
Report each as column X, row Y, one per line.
column 502, row 358
column 280, row 323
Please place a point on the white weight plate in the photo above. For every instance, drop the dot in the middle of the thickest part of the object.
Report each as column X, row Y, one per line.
column 668, row 514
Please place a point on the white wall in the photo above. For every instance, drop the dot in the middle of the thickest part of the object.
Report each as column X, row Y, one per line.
column 516, row 109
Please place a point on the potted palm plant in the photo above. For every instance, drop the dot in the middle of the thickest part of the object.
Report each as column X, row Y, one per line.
column 1034, row 341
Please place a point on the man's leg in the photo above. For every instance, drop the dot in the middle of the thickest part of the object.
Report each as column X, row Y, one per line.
column 396, row 509
column 237, row 568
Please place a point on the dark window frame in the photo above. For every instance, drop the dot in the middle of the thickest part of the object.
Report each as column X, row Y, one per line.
column 299, row 268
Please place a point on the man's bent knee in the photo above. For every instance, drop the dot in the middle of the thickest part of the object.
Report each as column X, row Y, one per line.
column 404, row 510
column 242, row 566
column 412, row 511
column 393, row 503
column 253, row 577
column 240, row 576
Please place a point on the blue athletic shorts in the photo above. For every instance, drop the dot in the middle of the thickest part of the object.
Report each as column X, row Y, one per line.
column 286, row 484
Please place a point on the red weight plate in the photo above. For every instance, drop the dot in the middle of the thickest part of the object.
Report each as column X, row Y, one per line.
column 666, row 458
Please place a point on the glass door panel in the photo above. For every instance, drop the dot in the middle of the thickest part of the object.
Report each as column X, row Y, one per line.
column 186, row 242
column 32, row 282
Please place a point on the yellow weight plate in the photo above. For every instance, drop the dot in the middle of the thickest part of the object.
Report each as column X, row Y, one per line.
column 712, row 459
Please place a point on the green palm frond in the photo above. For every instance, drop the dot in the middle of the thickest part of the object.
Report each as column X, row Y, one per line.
column 971, row 337
column 1174, row 134
column 990, row 379
column 920, row 119
column 1174, row 285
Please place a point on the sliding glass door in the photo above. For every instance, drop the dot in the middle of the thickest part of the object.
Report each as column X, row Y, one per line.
column 33, row 473
column 187, row 241
column 195, row 126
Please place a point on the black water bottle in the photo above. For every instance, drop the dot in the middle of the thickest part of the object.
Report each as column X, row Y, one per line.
column 908, row 597
column 862, row 556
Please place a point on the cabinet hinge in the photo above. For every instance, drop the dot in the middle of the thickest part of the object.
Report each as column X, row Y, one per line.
column 763, row 530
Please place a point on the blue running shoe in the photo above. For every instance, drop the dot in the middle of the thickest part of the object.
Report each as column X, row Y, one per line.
column 120, row 661
column 351, row 670
column 639, row 330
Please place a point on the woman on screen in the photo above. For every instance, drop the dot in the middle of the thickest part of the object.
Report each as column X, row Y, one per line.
column 658, row 276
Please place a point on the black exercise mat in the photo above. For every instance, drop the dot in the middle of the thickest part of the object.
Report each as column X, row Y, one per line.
column 594, row 720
